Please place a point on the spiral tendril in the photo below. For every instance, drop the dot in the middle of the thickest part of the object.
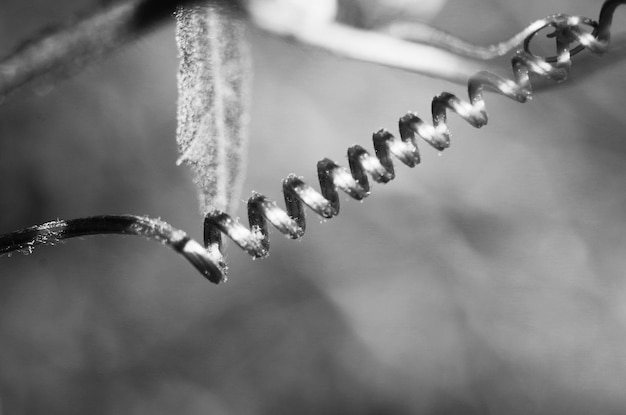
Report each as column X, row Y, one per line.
column 568, row 31
column 571, row 34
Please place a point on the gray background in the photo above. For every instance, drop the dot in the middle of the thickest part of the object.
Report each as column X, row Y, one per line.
column 488, row 280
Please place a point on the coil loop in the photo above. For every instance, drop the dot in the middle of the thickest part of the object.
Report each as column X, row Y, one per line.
column 568, row 31
column 572, row 35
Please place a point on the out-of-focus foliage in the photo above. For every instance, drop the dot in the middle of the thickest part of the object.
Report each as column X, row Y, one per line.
column 487, row 280
column 285, row 16
column 373, row 13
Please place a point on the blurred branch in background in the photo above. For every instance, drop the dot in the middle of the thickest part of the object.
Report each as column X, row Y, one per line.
column 63, row 51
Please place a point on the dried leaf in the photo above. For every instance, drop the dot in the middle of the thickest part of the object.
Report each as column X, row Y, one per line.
column 213, row 105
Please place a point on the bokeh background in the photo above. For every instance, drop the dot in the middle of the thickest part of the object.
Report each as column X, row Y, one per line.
column 490, row 279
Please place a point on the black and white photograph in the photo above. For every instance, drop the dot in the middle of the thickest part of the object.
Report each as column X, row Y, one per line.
column 268, row 207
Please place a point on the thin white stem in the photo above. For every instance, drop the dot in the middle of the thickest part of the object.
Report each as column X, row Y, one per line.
column 383, row 49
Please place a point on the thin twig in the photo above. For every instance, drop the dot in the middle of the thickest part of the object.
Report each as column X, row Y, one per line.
column 429, row 35
column 52, row 232
column 383, row 49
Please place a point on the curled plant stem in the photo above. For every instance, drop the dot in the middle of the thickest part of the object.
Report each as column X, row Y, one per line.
column 431, row 36
column 333, row 177
column 425, row 34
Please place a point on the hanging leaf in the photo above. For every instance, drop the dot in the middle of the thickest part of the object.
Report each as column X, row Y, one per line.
column 213, row 105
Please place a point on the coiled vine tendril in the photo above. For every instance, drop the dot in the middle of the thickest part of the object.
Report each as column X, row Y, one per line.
column 572, row 34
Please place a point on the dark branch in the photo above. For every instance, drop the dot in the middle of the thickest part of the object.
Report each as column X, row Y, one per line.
column 52, row 232
column 62, row 51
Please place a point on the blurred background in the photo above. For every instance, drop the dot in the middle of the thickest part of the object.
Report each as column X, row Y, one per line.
column 490, row 279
